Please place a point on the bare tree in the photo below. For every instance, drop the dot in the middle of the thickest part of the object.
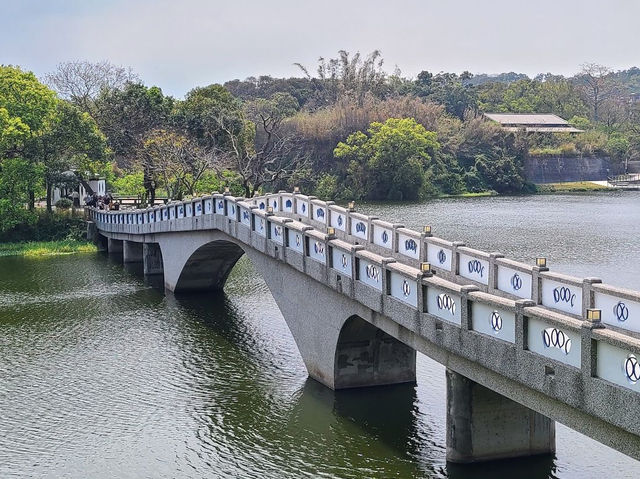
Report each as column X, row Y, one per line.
column 82, row 81
column 597, row 86
column 264, row 153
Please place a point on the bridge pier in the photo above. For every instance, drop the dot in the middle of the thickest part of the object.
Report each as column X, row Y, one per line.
column 483, row 425
column 132, row 252
column 114, row 246
column 92, row 231
column 101, row 242
column 152, row 259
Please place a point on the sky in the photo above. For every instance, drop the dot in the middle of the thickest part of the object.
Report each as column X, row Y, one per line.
column 180, row 44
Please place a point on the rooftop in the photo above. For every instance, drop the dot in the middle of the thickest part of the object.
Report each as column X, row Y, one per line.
column 532, row 122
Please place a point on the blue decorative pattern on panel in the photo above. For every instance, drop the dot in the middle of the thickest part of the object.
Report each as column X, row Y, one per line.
column 496, row 321
column 563, row 294
column 553, row 337
column 411, row 245
column 621, row 312
column 476, row 266
column 446, row 303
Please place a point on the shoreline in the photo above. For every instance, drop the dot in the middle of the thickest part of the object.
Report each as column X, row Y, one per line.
column 37, row 249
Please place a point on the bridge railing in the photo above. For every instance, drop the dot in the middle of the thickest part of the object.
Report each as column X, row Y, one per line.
column 383, row 265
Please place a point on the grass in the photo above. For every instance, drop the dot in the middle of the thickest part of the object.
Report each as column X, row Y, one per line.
column 46, row 248
column 578, row 186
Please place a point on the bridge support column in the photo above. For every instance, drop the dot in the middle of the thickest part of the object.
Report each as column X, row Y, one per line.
column 92, row 231
column 114, row 246
column 152, row 257
column 483, row 425
column 131, row 252
column 101, row 242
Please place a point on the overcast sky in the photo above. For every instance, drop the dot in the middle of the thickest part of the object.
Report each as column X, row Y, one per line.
column 179, row 44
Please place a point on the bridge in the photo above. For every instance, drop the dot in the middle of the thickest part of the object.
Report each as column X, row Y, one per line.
column 523, row 346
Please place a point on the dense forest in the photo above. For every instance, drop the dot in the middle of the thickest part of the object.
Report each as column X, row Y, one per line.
column 343, row 129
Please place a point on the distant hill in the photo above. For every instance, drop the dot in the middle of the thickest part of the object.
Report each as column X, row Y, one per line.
column 481, row 78
column 628, row 79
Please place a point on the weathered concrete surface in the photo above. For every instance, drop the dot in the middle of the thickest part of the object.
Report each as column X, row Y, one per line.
column 114, row 246
column 152, row 257
column 132, row 252
column 101, row 242
column 92, row 231
column 559, row 168
column 483, row 425
column 367, row 356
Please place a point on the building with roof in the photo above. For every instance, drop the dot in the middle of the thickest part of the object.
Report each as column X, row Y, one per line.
column 532, row 122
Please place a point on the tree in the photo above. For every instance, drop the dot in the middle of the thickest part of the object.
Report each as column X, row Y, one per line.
column 204, row 110
column 596, row 85
column 179, row 162
column 448, row 89
column 390, row 160
column 81, row 82
column 71, row 142
column 26, row 107
column 18, row 178
column 263, row 152
column 127, row 117
column 347, row 76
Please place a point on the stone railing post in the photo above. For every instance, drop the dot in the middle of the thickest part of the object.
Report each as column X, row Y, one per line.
column 493, row 271
column 588, row 300
column 521, row 329
column 465, row 306
column 536, row 283
column 455, row 259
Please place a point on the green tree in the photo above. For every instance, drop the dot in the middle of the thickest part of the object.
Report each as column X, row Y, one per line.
column 203, row 112
column 26, row 109
column 71, row 142
column 26, row 106
column 390, row 160
column 127, row 117
column 18, row 179
column 448, row 89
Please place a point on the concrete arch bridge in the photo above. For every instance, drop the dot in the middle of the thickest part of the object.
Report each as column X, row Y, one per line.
column 523, row 346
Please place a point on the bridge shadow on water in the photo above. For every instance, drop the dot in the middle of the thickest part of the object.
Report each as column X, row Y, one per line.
column 535, row 467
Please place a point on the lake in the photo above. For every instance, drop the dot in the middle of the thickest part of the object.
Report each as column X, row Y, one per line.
column 102, row 375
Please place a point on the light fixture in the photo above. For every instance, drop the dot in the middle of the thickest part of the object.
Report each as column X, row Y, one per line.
column 594, row 315
column 425, row 268
column 426, row 229
column 352, row 206
column 331, row 231
column 270, row 209
column 296, row 189
column 227, row 190
column 541, row 262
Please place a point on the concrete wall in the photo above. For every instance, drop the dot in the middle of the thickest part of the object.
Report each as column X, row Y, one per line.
column 559, row 168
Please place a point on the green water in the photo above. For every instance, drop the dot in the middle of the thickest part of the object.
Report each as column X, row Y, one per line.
column 102, row 375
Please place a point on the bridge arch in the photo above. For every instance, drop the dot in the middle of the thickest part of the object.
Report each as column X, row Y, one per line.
column 209, row 266
column 367, row 356
column 339, row 348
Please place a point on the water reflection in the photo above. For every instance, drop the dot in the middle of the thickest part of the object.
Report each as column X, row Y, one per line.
column 103, row 375
column 537, row 467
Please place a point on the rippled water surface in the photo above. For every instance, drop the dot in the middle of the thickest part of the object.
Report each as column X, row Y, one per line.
column 102, row 375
